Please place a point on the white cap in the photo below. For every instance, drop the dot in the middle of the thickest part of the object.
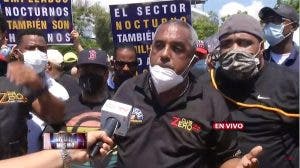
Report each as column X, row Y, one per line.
column 55, row 57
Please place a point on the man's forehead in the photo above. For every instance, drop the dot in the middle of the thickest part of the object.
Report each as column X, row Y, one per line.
column 125, row 54
column 238, row 35
column 172, row 31
column 33, row 40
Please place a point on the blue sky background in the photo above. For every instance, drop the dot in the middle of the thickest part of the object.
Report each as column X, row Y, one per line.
column 215, row 5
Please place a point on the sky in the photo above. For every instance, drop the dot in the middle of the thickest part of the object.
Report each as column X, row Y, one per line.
column 221, row 7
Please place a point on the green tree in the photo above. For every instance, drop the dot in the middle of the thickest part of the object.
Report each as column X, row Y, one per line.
column 227, row 16
column 85, row 15
column 293, row 3
column 103, row 31
column 205, row 27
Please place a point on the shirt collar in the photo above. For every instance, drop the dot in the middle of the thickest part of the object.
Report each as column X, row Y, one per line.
column 194, row 91
column 291, row 59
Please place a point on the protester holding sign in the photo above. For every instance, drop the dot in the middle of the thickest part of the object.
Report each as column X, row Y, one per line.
column 136, row 23
column 53, row 17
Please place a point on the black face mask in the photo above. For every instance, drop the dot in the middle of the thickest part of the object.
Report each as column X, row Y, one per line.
column 122, row 76
column 91, row 84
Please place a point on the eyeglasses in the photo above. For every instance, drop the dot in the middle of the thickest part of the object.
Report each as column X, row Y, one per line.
column 121, row 64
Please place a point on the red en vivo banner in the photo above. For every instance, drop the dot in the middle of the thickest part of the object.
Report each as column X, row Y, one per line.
column 53, row 17
column 136, row 23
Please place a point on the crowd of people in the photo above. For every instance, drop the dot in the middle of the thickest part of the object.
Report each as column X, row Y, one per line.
column 174, row 104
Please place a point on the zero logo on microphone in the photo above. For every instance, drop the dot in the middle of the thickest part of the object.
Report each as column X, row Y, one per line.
column 137, row 116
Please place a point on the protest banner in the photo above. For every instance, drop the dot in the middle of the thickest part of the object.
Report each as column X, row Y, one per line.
column 135, row 24
column 53, row 17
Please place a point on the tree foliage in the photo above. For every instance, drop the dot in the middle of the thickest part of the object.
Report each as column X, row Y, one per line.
column 103, row 31
column 227, row 16
column 205, row 26
column 86, row 15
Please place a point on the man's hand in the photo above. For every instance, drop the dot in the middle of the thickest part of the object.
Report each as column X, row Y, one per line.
column 81, row 156
column 247, row 161
column 76, row 41
column 20, row 74
column 75, row 35
column 250, row 159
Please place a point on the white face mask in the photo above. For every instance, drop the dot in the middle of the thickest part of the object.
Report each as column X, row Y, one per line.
column 165, row 78
column 35, row 59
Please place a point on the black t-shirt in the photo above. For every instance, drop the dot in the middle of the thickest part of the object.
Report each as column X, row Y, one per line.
column 75, row 106
column 292, row 62
column 15, row 104
column 70, row 84
column 80, row 117
column 276, row 86
column 179, row 135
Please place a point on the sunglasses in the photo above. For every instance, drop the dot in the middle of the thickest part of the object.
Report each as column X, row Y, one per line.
column 121, row 64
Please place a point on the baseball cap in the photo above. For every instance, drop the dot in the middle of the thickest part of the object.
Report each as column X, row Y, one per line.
column 92, row 56
column 241, row 23
column 70, row 57
column 55, row 57
column 282, row 10
column 201, row 48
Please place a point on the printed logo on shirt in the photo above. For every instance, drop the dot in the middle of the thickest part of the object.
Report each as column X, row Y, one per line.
column 259, row 97
column 12, row 97
column 236, row 125
column 137, row 116
column 186, row 124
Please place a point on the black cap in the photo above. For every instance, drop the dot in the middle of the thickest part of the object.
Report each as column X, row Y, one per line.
column 92, row 56
column 239, row 23
column 282, row 10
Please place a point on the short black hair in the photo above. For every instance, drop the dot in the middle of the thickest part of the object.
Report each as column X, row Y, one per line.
column 31, row 31
column 123, row 46
column 3, row 23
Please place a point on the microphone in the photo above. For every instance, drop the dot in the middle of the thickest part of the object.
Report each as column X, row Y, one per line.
column 115, row 119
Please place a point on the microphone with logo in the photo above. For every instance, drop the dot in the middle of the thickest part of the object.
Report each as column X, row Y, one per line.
column 115, row 119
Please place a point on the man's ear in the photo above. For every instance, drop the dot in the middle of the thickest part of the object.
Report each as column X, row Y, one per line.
column 294, row 26
column 261, row 47
column 15, row 55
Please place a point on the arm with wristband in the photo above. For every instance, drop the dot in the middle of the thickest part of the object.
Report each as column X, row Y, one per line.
column 59, row 158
